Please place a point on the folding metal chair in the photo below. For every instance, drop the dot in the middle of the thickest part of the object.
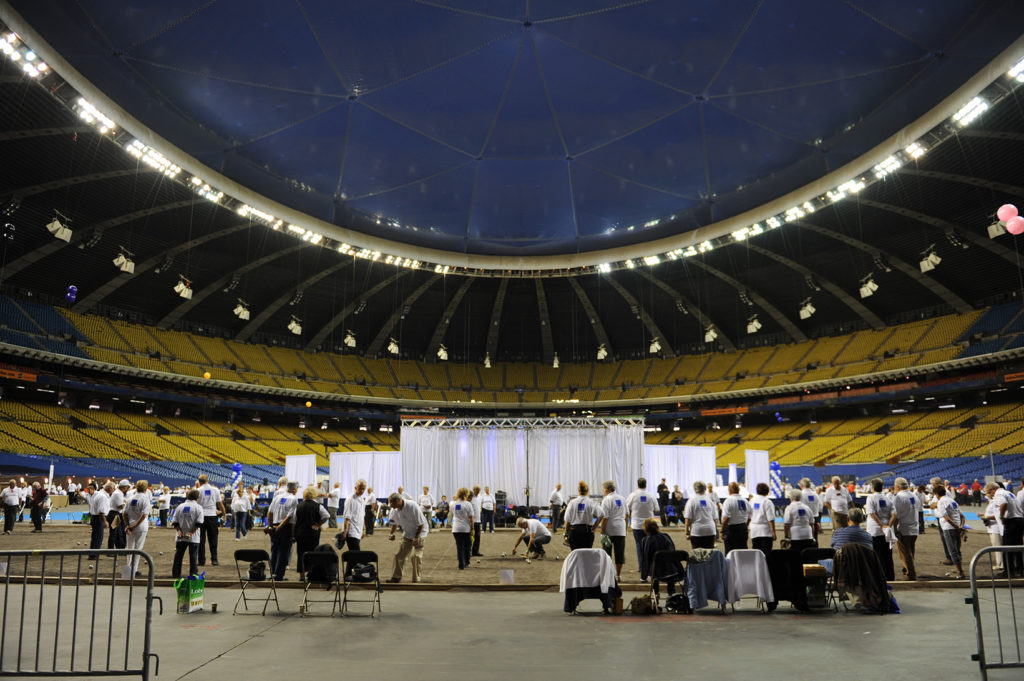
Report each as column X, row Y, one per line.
column 321, row 569
column 349, row 560
column 662, row 562
column 249, row 556
column 815, row 556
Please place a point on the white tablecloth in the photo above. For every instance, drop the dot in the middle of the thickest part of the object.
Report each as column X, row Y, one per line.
column 747, row 573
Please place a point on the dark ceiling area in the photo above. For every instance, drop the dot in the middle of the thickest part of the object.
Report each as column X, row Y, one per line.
column 517, row 127
column 944, row 201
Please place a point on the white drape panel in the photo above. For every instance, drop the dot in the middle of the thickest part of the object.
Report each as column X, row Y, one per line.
column 447, row 458
column 679, row 466
column 381, row 470
column 733, row 473
column 301, row 468
column 757, row 468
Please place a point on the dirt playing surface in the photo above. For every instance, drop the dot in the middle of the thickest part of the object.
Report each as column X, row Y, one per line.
column 439, row 561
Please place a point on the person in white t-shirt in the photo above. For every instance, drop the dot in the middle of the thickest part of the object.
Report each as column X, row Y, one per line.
column 904, row 519
column 837, row 500
column 878, row 508
column 370, row 511
column 352, row 524
column 951, row 524
column 333, row 502
column 487, row 511
column 241, row 504
column 163, row 505
column 136, row 519
column 994, row 524
column 187, row 521
column 762, row 520
column 613, row 524
column 535, row 535
column 641, row 504
column 213, row 508
column 1012, row 518
column 580, row 523
column 10, row 500
column 735, row 516
column 462, row 526
column 812, row 499
column 477, row 519
column 799, row 520
column 426, row 502
column 114, row 514
column 415, row 530
column 701, row 517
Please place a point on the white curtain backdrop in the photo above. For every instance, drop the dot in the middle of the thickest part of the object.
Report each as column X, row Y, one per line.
column 679, row 465
column 510, row 459
column 301, row 468
column 757, row 468
column 381, row 470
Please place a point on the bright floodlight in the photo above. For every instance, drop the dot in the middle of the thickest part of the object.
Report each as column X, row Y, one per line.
column 241, row 310
column 753, row 325
column 807, row 309
column 867, row 287
column 124, row 263
column 295, row 326
column 710, row 334
column 554, row 362
column 59, row 231
column 392, row 346
column 929, row 261
column 442, row 353
column 184, row 289
column 655, row 346
column 602, row 352
column 350, row 339
column 487, row 360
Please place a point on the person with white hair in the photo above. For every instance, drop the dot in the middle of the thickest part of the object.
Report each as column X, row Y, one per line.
column 11, row 501
column 701, row 517
column 534, row 534
column 905, row 506
column 282, row 486
column 136, row 520
column 994, row 523
column 280, row 527
column 1010, row 515
column 188, row 518
column 354, row 513
column 406, row 514
column 810, row 497
column 613, row 523
column 799, row 521
column 838, row 502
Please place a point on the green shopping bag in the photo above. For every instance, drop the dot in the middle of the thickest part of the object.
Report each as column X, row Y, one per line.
column 190, row 593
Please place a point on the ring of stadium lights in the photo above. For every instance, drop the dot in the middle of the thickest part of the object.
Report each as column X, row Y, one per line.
column 908, row 144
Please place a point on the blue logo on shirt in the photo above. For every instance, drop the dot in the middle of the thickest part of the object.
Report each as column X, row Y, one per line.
column 206, row 492
column 757, row 507
column 703, row 502
column 135, row 502
column 742, row 505
column 458, row 507
column 583, row 507
column 953, row 504
column 283, row 501
column 912, row 500
column 801, row 512
column 643, row 498
column 618, row 502
column 810, row 497
column 881, row 503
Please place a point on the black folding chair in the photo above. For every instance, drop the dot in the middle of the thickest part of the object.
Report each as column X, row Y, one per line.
column 321, row 570
column 814, row 556
column 663, row 561
column 356, row 576
column 248, row 557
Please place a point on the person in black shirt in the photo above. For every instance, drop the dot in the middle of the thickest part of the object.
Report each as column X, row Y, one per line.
column 310, row 514
column 663, row 501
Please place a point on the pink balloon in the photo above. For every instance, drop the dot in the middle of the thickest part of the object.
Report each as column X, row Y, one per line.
column 1015, row 225
column 1007, row 212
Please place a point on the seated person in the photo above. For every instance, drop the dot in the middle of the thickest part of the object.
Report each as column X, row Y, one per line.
column 655, row 540
column 441, row 511
column 853, row 532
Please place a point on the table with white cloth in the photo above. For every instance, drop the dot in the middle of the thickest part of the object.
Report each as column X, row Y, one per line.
column 746, row 572
column 588, row 573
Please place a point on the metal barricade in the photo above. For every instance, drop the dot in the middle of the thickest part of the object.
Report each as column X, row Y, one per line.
column 76, row 613
column 995, row 612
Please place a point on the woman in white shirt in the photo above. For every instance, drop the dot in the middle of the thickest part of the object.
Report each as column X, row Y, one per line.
column 462, row 526
column 241, row 504
column 701, row 516
column 799, row 523
column 579, row 519
column 995, row 530
column 136, row 519
column 762, row 520
column 879, row 510
column 163, row 504
column 951, row 524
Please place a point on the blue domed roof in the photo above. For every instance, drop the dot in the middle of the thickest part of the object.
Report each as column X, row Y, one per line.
column 505, row 126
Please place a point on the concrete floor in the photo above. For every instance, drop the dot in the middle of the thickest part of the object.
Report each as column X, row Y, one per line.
column 445, row 635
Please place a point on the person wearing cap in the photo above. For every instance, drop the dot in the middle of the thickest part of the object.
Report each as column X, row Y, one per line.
column 213, row 508
column 99, row 507
column 187, row 521
column 117, row 504
column 10, row 500
column 406, row 514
